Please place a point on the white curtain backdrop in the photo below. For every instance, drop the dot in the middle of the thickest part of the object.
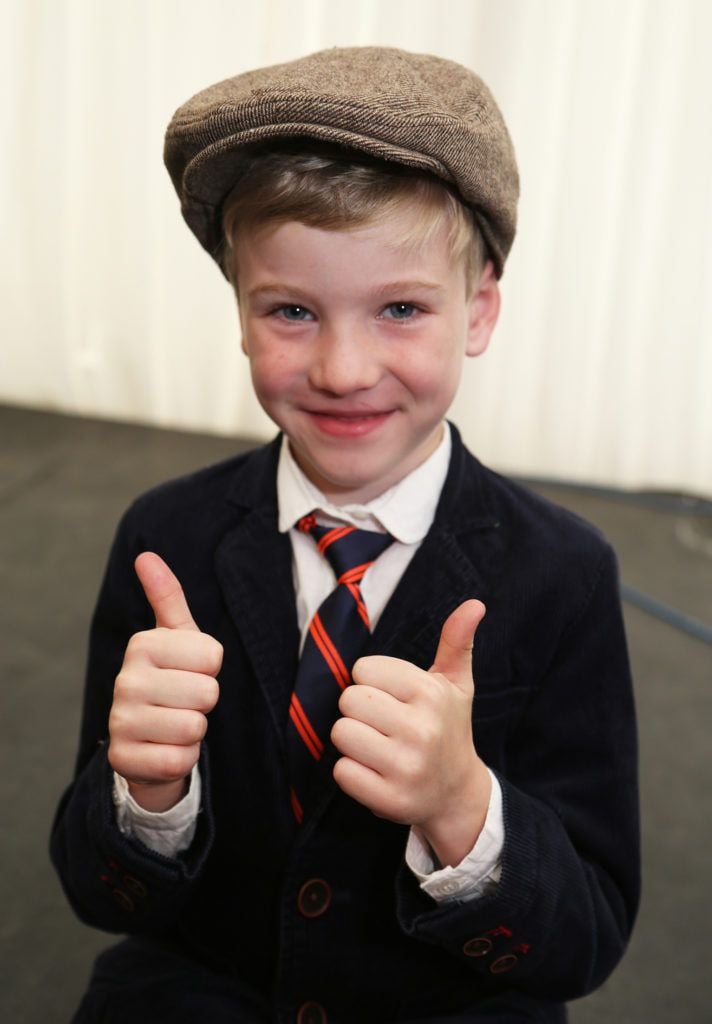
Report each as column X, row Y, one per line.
column 601, row 368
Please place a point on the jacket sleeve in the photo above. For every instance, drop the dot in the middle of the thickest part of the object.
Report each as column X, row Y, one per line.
column 559, row 920
column 113, row 881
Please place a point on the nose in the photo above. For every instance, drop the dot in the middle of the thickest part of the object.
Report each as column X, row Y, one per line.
column 344, row 361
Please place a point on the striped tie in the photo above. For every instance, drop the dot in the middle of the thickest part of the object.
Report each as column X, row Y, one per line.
column 336, row 636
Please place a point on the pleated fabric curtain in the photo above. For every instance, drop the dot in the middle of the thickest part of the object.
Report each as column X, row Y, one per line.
column 600, row 368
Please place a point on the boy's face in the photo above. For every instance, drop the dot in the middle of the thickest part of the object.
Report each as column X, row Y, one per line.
column 356, row 345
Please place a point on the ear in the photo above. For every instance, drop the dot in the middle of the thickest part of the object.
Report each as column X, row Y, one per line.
column 243, row 341
column 483, row 311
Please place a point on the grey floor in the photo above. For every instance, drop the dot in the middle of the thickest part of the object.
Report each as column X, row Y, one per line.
column 64, row 481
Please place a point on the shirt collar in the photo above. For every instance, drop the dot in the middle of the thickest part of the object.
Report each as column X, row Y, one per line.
column 406, row 510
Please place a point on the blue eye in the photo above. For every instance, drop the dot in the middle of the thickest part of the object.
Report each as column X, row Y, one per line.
column 296, row 313
column 400, row 310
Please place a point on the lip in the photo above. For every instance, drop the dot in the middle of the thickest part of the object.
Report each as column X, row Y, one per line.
column 347, row 424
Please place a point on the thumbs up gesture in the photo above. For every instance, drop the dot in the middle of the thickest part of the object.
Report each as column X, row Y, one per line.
column 162, row 694
column 407, row 745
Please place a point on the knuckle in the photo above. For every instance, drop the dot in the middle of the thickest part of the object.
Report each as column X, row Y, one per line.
column 426, row 727
column 141, row 644
column 175, row 763
column 116, row 722
column 211, row 653
column 337, row 732
column 126, row 760
column 116, row 758
column 432, row 695
column 413, row 766
column 346, row 700
column 399, row 806
column 429, row 735
column 194, row 728
column 123, row 685
column 122, row 718
column 218, row 653
column 360, row 669
column 204, row 694
column 211, row 693
column 129, row 688
column 340, row 772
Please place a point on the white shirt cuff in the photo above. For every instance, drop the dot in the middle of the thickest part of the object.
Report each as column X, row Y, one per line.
column 167, row 832
column 476, row 873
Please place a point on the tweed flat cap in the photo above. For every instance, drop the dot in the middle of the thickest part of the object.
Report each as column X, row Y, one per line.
column 413, row 109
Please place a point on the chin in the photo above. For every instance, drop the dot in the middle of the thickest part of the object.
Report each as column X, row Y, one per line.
column 340, row 489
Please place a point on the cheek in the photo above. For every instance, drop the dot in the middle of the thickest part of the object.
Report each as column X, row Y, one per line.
column 273, row 374
column 434, row 377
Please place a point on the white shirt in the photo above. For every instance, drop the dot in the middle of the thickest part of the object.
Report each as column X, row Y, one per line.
column 406, row 511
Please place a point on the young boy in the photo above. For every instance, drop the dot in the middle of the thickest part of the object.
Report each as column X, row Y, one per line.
column 285, row 846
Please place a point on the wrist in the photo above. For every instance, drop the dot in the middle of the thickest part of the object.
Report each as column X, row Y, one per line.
column 453, row 832
column 158, row 796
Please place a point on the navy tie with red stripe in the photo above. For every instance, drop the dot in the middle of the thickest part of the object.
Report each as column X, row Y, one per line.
column 336, row 637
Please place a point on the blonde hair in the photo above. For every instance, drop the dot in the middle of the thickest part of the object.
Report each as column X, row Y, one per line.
column 334, row 189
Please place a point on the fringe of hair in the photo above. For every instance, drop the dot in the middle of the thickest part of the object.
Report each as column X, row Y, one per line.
column 333, row 189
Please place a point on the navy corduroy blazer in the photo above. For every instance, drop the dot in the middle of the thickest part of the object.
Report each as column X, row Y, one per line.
column 553, row 716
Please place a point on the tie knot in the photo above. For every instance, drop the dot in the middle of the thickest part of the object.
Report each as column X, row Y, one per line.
column 347, row 549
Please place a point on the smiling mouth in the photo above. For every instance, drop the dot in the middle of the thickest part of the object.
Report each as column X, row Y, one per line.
column 339, row 415
column 353, row 424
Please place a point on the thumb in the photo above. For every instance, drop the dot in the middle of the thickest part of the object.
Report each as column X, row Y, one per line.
column 164, row 592
column 454, row 654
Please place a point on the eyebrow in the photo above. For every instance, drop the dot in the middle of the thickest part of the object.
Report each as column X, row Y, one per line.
column 389, row 288
column 395, row 287
column 273, row 288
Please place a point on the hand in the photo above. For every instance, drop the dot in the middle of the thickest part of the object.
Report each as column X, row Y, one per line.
column 406, row 737
column 162, row 694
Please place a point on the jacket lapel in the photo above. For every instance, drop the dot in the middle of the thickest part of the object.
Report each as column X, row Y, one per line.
column 451, row 565
column 254, row 568
column 440, row 577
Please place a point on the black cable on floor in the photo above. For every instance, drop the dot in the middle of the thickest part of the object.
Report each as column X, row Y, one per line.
column 659, row 501
column 668, row 614
column 680, row 504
